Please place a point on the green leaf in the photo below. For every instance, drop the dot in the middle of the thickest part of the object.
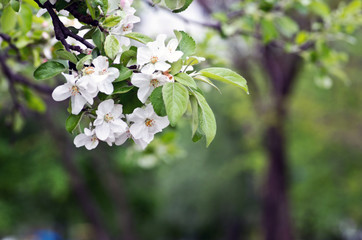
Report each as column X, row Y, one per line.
column 91, row 8
column 156, row 1
column 111, row 21
column 124, row 72
column 127, row 56
column 206, row 118
column 156, row 99
column 186, row 80
column 287, row 26
column 320, row 8
column 25, row 18
column 176, row 67
column 186, row 43
column 66, row 55
column 8, row 19
column 34, row 101
column 184, row 7
column 111, row 46
column 195, row 114
column 207, row 81
column 48, row 70
column 15, row 4
column 82, row 61
column 175, row 97
column 139, row 37
column 268, row 30
column 98, row 38
column 121, row 89
column 73, row 121
column 175, row 4
column 226, row 75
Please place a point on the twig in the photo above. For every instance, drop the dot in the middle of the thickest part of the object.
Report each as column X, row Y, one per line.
column 11, row 45
column 62, row 32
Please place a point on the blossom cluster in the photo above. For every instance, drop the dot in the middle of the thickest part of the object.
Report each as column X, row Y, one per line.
column 110, row 124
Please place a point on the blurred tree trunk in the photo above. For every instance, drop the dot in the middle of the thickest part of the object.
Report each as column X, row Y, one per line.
column 113, row 183
column 86, row 201
column 282, row 69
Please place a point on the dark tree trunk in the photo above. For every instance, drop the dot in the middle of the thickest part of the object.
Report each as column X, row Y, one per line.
column 86, row 201
column 282, row 69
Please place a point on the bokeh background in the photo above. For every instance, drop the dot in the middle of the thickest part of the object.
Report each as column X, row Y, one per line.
column 180, row 190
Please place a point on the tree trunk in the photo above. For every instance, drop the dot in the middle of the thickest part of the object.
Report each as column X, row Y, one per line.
column 282, row 69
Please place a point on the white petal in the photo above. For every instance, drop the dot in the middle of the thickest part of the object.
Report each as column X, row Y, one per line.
column 149, row 69
column 106, row 87
column 143, row 55
column 113, row 74
column 162, row 66
column 117, row 110
column 91, row 144
column 86, row 96
column 80, row 140
column 103, row 131
column 140, row 142
column 118, row 126
column 101, row 63
column 122, row 138
column 138, row 130
column 78, row 103
column 62, row 92
column 41, row 12
column 106, row 106
column 144, row 92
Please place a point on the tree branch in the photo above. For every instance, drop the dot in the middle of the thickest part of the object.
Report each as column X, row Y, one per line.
column 62, row 32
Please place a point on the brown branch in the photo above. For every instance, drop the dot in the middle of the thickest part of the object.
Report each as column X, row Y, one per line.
column 62, row 32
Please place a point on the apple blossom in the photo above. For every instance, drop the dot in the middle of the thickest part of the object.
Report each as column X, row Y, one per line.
column 101, row 74
column 146, row 123
column 87, row 139
column 109, row 119
column 78, row 89
column 147, row 83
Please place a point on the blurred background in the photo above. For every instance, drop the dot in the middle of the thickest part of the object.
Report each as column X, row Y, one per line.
column 180, row 190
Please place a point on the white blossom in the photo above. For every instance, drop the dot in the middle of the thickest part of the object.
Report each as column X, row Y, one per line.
column 147, row 83
column 125, row 26
column 154, row 56
column 109, row 119
column 78, row 89
column 102, row 75
column 146, row 123
column 88, row 139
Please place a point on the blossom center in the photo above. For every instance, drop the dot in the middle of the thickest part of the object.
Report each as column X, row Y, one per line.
column 74, row 90
column 127, row 27
column 154, row 59
column 102, row 72
column 108, row 117
column 94, row 138
column 154, row 83
column 89, row 70
column 149, row 122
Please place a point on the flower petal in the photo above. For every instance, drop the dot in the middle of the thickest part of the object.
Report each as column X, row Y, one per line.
column 61, row 92
column 103, row 131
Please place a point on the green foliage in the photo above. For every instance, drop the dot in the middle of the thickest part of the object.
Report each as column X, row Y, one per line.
column 139, row 37
column 226, row 75
column 158, row 104
column 73, row 121
column 111, row 46
column 66, row 55
column 185, row 79
column 48, row 70
column 8, row 19
column 176, row 98
column 187, row 44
